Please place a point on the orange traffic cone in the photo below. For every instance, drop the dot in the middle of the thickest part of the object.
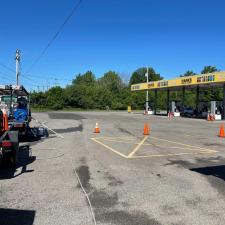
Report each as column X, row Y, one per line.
column 222, row 133
column 97, row 129
column 146, row 129
column 208, row 117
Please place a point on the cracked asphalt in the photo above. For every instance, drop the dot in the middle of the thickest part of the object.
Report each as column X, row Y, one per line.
column 176, row 177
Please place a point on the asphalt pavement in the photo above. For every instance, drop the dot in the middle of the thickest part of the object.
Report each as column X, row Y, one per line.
column 174, row 176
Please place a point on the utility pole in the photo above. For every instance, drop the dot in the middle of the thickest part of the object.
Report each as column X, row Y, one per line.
column 17, row 66
column 146, row 106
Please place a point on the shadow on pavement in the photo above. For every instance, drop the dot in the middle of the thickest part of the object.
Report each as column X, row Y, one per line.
column 16, row 217
column 216, row 171
column 69, row 129
column 24, row 159
column 65, row 116
column 200, row 162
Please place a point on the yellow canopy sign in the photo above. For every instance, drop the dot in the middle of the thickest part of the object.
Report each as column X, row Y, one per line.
column 211, row 78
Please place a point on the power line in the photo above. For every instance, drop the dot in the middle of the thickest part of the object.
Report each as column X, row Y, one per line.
column 5, row 76
column 28, row 78
column 13, row 71
column 6, row 67
column 49, row 78
column 55, row 35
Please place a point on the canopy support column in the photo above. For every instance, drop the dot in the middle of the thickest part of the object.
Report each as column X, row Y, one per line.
column 223, row 114
column 168, row 101
column 197, row 101
column 183, row 98
column 155, row 102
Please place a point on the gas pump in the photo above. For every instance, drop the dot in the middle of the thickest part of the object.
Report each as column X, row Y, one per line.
column 215, row 110
column 174, row 109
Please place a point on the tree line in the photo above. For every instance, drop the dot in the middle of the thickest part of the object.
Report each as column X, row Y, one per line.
column 110, row 92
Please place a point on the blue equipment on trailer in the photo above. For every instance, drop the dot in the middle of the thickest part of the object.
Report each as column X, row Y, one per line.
column 16, row 98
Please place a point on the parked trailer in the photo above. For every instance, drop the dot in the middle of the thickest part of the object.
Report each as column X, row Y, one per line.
column 9, row 144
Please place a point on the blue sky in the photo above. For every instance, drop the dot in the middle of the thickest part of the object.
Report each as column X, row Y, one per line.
column 171, row 36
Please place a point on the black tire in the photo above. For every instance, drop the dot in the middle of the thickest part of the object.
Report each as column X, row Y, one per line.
column 1, row 162
column 13, row 159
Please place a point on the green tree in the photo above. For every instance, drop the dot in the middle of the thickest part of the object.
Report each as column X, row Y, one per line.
column 112, row 92
column 138, row 76
column 188, row 73
column 102, row 97
column 209, row 69
column 87, row 78
column 111, row 81
column 38, row 99
column 55, row 98
column 81, row 93
column 210, row 94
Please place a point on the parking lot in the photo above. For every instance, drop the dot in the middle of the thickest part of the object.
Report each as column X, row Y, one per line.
column 175, row 175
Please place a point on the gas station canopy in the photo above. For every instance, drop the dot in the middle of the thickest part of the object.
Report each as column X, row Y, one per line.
column 209, row 80
column 202, row 80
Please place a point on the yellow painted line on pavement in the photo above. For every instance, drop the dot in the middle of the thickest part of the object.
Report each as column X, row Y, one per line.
column 131, row 155
column 171, row 154
column 178, row 143
column 113, row 150
column 116, row 138
column 193, row 148
column 118, row 141
column 137, row 147
column 155, row 145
